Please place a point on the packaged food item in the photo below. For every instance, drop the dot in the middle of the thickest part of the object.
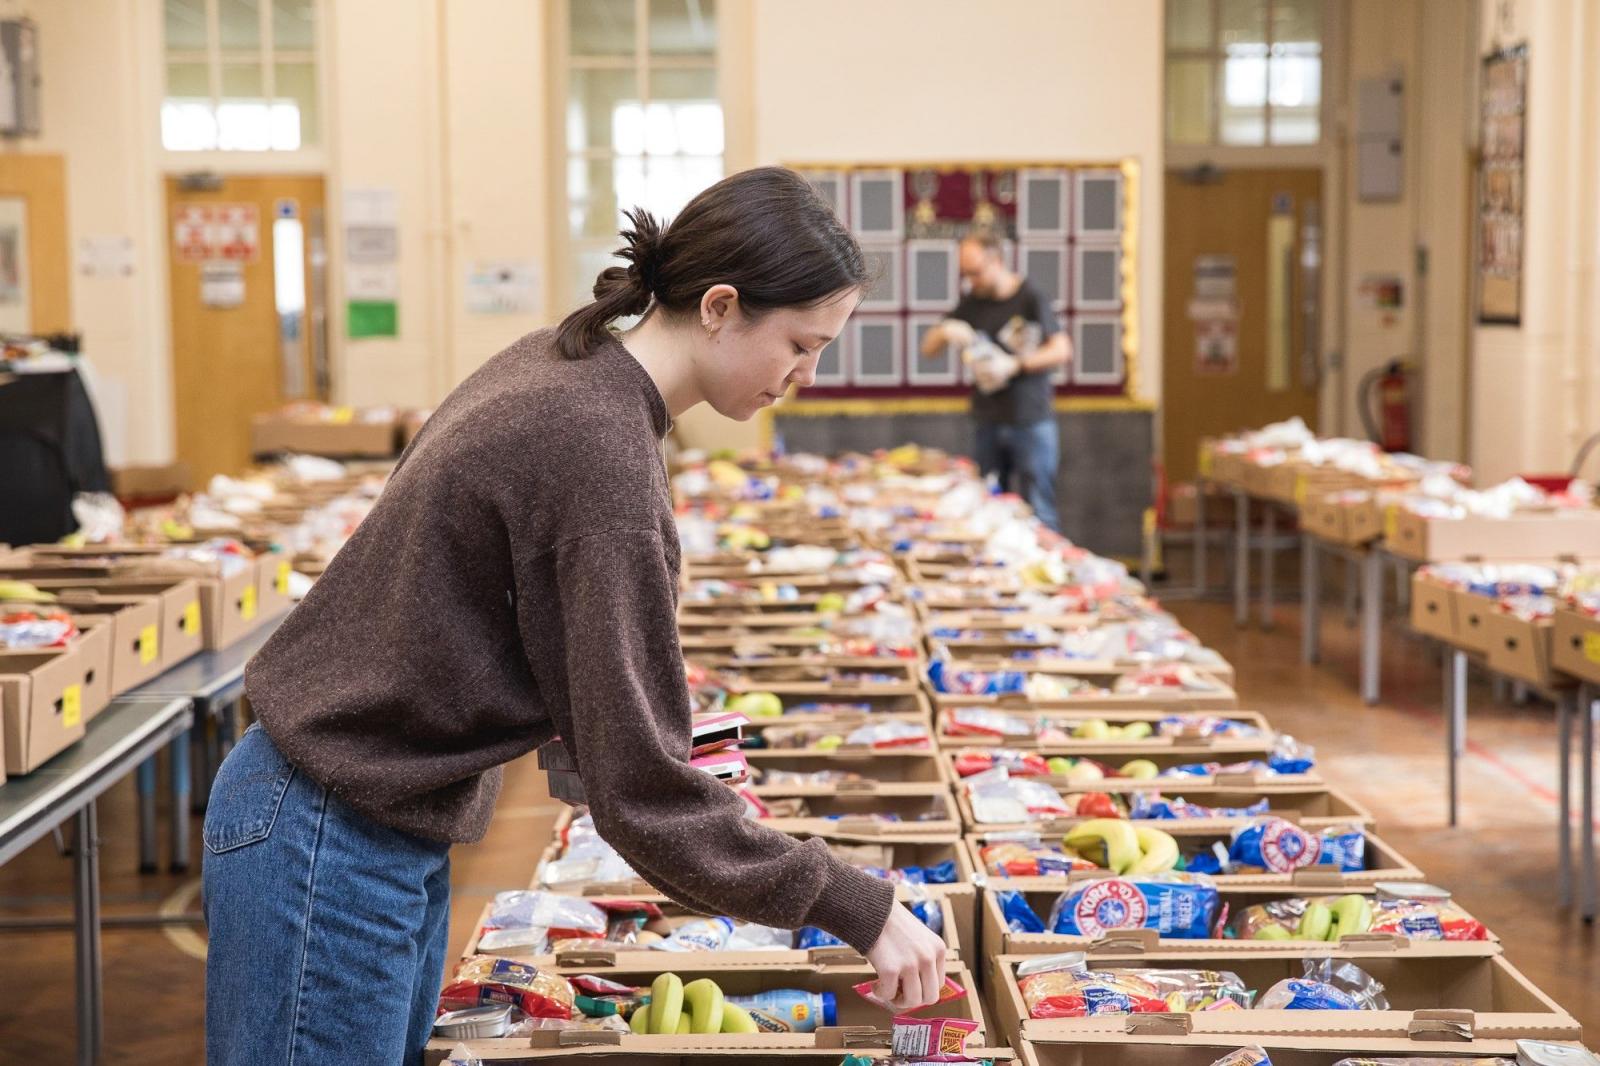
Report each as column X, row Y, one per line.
column 789, row 1010
column 1245, row 1056
column 1020, row 918
column 485, row 979
column 973, row 761
column 704, row 934
column 1329, row 984
column 1152, row 806
column 27, row 630
column 1278, row 846
column 995, row 797
column 1030, row 858
column 894, row 734
column 1177, row 906
column 1062, row 986
column 1425, row 919
column 949, row 680
column 930, row 1039
column 1204, row 725
column 983, row 722
column 748, row 936
column 528, row 919
column 951, row 989
column 1359, row 1060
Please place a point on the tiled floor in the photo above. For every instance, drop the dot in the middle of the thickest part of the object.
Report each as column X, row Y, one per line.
column 1501, row 860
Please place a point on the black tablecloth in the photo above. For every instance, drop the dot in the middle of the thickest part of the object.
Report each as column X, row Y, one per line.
column 49, row 452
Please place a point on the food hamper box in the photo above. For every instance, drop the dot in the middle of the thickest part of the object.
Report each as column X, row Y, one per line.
column 859, row 1025
column 1206, row 769
column 47, row 697
column 1020, row 724
column 1187, row 1046
column 1315, row 807
column 1523, row 649
column 134, row 624
column 1484, row 995
column 1220, row 698
column 962, row 655
column 336, row 432
column 848, row 769
column 1545, row 534
column 998, row 937
column 1575, row 644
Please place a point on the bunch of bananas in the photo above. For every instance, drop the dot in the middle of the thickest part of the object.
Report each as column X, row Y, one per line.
column 24, row 592
column 696, row 1007
column 1346, row 916
column 1122, row 847
column 1100, row 729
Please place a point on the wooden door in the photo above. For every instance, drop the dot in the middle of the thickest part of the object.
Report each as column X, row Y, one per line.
column 230, row 357
column 1237, row 236
column 36, row 272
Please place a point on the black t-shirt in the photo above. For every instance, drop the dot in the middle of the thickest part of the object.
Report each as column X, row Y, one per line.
column 1026, row 399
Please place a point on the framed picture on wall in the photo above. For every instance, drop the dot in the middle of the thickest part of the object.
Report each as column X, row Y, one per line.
column 933, row 270
column 1098, row 205
column 942, row 368
column 1045, row 268
column 885, row 266
column 877, row 204
column 1097, row 350
column 876, row 350
column 1500, row 186
column 833, row 361
column 830, row 185
column 1042, row 204
column 1096, row 277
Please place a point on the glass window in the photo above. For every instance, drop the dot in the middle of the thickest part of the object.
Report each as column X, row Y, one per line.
column 643, row 119
column 1244, row 72
column 220, row 54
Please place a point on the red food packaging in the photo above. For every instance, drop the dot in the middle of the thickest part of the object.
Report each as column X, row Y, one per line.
column 952, row 990
column 931, row 1039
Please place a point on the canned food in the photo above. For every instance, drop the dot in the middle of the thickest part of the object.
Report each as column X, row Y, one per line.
column 474, row 1023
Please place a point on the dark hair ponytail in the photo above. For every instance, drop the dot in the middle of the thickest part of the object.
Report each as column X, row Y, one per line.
column 765, row 232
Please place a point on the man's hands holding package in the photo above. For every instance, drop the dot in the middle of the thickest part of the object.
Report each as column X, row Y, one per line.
column 909, row 958
column 995, row 371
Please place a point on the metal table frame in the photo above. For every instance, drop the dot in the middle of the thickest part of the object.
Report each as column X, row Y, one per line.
column 32, row 806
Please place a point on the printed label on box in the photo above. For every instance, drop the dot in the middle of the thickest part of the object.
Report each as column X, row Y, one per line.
column 1591, row 647
column 1300, row 490
column 72, row 706
column 247, row 603
column 149, row 645
column 191, row 618
column 284, row 570
column 1391, row 521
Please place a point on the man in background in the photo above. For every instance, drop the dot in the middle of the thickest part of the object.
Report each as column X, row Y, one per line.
column 1009, row 337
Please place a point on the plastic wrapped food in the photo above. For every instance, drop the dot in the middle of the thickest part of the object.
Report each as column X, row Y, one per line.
column 973, row 761
column 930, row 1039
column 529, row 919
column 1426, row 919
column 486, row 979
column 1152, row 806
column 952, row 681
column 1204, row 725
column 1167, row 677
column 1029, row 858
column 1329, row 984
column 1062, row 986
column 1176, row 906
column 1245, row 1056
column 25, row 630
column 1019, row 916
column 895, row 734
column 1274, row 845
column 996, row 798
column 982, row 722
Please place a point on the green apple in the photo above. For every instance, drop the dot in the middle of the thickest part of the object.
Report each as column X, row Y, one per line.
column 1137, row 731
column 1140, row 769
column 830, row 603
column 757, row 705
column 829, row 742
column 1059, row 765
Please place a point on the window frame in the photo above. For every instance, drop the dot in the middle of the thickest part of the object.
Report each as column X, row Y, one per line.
column 566, row 247
column 214, row 57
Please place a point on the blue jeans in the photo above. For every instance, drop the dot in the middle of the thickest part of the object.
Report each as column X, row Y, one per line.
column 1031, row 453
column 328, row 930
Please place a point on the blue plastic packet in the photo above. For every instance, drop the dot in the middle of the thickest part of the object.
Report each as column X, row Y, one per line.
column 812, row 937
column 1020, row 918
column 943, row 873
column 930, row 914
column 1283, row 847
column 1297, row 993
column 1152, row 807
column 1182, row 909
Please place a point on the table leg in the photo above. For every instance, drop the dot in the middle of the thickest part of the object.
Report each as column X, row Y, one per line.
column 145, row 780
column 1269, row 559
column 1241, row 559
column 1458, row 727
column 1202, row 574
column 1371, row 624
column 197, row 762
column 1564, row 706
column 1352, row 591
column 1586, row 804
column 1310, row 600
column 178, row 764
column 86, row 917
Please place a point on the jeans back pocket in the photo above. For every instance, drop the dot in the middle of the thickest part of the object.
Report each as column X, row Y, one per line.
column 247, row 793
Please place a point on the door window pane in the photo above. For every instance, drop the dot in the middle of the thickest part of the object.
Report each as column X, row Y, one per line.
column 683, row 27
column 295, row 102
column 185, row 25
column 293, row 25
column 239, row 24
column 596, row 102
column 685, row 114
column 1191, row 99
column 1242, row 22
column 602, row 27
column 1189, row 25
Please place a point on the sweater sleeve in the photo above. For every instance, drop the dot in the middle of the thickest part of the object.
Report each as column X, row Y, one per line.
column 629, row 733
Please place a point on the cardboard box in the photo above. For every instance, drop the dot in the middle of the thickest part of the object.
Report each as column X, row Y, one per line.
column 1314, row 807
column 717, row 649
column 1237, row 781
column 876, row 770
column 1203, row 1048
column 1493, row 999
column 979, row 654
column 1472, row 614
column 134, row 643
column 599, row 959
column 1433, row 608
column 1383, row 864
column 998, row 939
column 1224, row 699
column 861, row 1025
column 1353, row 524
column 1526, row 535
column 1522, row 649
column 162, row 482
column 929, row 809
column 1575, row 644
column 351, row 437
column 272, row 584
column 47, row 698
column 1195, row 748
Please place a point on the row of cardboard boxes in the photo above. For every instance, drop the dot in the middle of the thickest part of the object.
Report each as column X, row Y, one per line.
column 1548, row 651
column 137, row 616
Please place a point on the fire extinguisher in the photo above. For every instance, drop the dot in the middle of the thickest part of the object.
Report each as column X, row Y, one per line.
column 1391, row 430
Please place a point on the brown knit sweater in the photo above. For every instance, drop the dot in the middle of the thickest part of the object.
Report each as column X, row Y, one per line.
column 517, row 581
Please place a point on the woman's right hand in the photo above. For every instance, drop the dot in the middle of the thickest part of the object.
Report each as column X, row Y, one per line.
column 909, row 958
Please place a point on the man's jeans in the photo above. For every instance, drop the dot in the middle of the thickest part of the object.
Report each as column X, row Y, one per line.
column 1032, row 453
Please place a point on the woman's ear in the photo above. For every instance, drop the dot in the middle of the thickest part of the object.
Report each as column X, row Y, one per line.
column 717, row 306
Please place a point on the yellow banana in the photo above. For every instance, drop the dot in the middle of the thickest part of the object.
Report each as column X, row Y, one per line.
column 24, row 592
column 1158, row 851
column 735, row 1019
column 666, row 1003
column 706, row 1006
column 640, row 1022
column 1115, row 837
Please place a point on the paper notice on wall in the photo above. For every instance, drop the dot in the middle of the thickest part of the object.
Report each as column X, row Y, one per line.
column 222, row 284
column 502, row 287
column 105, row 257
column 371, row 207
column 1216, row 346
column 203, row 232
column 371, row 281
